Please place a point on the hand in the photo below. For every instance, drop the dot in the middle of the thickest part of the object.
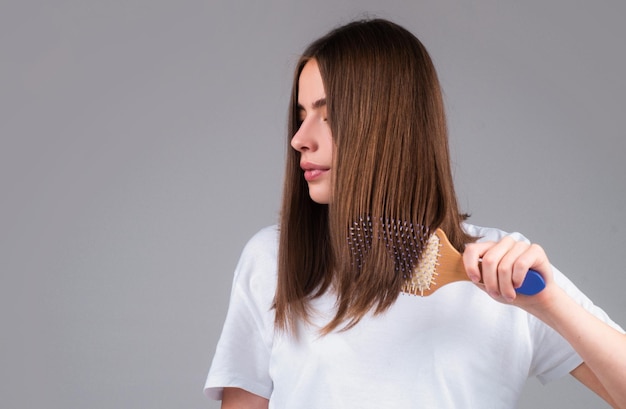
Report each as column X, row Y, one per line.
column 504, row 266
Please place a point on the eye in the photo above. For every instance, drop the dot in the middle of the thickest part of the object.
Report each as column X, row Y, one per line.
column 300, row 116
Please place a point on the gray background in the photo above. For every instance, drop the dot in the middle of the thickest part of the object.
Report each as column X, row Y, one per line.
column 142, row 145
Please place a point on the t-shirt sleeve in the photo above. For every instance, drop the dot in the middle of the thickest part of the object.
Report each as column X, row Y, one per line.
column 243, row 351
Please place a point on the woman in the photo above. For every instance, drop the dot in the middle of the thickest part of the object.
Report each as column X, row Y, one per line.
column 319, row 314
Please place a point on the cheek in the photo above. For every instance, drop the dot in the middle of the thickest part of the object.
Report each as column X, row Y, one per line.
column 329, row 142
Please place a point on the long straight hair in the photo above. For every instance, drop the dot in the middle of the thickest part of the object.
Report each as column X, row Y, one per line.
column 391, row 169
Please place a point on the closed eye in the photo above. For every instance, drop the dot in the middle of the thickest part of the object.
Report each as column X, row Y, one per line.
column 318, row 105
column 300, row 116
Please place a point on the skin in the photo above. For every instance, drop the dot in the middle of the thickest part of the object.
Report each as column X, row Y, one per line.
column 236, row 398
column 504, row 266
column 314, row 140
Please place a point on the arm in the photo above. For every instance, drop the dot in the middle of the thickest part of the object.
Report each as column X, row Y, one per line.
column 236, row 398
column 602, row 348
column 584, row 375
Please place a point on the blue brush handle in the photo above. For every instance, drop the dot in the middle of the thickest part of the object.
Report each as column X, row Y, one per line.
column 533, row 283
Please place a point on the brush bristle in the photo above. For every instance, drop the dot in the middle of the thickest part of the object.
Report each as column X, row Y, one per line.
column 424, row 274
column 414, row 250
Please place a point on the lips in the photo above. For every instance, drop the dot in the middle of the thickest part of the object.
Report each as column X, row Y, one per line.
column 313, row 171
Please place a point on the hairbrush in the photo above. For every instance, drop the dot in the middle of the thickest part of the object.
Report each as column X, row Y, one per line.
column 440, row 264
column 426, row 261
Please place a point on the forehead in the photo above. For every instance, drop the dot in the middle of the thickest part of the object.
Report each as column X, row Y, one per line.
column 310, row 84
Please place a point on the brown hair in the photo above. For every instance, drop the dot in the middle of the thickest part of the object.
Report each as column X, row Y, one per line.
column 391, row 168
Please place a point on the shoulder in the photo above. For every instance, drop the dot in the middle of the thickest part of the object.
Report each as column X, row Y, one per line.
column 257, row 265
column 494, row 234
column 491, row 233
column 265, row 241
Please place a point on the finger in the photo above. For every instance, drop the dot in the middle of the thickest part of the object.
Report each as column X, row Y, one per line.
column 471, row 259
column 490, row 263
column 533, row 257
column 511, row 272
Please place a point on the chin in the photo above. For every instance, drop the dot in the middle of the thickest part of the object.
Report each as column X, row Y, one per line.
column 323, row 201
column 319, row 197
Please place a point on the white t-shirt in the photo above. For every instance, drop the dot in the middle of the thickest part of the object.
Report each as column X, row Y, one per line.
column 456, row 348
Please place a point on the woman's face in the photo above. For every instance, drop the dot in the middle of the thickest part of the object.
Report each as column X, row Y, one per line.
column 314, row 140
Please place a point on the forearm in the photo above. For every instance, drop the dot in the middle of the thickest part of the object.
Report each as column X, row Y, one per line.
column 601, row 347
column 236, row 398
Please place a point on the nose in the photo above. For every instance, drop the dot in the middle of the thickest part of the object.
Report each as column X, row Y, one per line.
column 304, row 139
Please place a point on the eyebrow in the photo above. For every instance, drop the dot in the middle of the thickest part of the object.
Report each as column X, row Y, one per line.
column 316, row 104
